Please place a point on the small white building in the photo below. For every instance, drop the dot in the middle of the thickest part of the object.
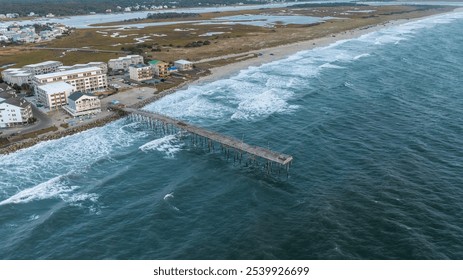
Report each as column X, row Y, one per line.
column 14, row 111
column 183, row 65
column 83, row 104
column 54, row 95
column 140, row 72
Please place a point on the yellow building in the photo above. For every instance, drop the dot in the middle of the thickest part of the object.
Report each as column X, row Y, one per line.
column 160, row 68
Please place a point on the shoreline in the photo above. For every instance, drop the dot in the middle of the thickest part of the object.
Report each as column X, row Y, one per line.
column 217, row 73
column 285, row 51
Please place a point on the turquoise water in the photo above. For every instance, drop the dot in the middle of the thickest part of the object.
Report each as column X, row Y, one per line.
column 374, row 125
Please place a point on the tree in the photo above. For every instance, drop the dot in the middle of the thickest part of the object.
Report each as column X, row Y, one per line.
column 17, row 88
column 25, row 86
column 31, row 120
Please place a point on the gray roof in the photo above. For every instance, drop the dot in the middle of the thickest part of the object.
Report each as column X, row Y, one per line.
column 7, row 94
column 3, row 86
column 76, row 95
column 20, row 102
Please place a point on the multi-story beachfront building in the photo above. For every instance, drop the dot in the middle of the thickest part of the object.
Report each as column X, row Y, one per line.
column 140, row 72
column 86, row 79
column 160, row 68
column 101, row 65
column 14, row 111
column 43, row 67
column 123, row 63
column 16, row 76
column 183, row 65
column 83, row 104
column 54, row 95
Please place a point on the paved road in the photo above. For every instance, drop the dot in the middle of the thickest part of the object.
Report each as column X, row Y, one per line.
column 43, row 121
column 75, row 49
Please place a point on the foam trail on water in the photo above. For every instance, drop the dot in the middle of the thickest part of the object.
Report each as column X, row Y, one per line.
column 49, row 189
column 169, row 196
column 168, row 144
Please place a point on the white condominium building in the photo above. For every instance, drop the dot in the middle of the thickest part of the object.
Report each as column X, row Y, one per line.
column 140, row 72
column 14, row 111
column 43, row 67
column 101, row 65
column 16, row 76
column 123, row 63
column 54, row 95
column 83, row 79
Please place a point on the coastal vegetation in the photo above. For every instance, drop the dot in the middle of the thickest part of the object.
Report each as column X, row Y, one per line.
column 171, row 15
column 163, row 16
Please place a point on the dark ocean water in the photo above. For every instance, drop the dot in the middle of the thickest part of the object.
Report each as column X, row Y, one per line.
column 375, row 125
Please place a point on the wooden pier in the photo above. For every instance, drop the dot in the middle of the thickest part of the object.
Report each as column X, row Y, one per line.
column 226, row 142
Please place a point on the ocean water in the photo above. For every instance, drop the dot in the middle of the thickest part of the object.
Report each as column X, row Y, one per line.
column 375, row 126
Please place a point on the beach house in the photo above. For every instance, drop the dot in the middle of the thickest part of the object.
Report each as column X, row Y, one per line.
column 183, row 65
column 140, row 72
column 160, row 68
column 83, row 104
column 123, row 63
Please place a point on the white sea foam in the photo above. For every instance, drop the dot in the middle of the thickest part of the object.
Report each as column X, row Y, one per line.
column 361, row 56
column 33, row 217
column 79, row 197
column 46, row 190
column 331, row 66
column 259, row 91
column 51, row 189
column 263, row 104
column 69, row 155
column 169, row 196
column 168, row 144
column 83, row 200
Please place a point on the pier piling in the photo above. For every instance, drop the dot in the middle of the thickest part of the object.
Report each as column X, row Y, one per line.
column 208, row 138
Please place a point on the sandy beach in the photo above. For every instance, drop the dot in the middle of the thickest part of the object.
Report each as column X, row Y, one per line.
column 284, row 51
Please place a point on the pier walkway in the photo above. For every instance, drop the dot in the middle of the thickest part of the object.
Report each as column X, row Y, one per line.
column 225, row 141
